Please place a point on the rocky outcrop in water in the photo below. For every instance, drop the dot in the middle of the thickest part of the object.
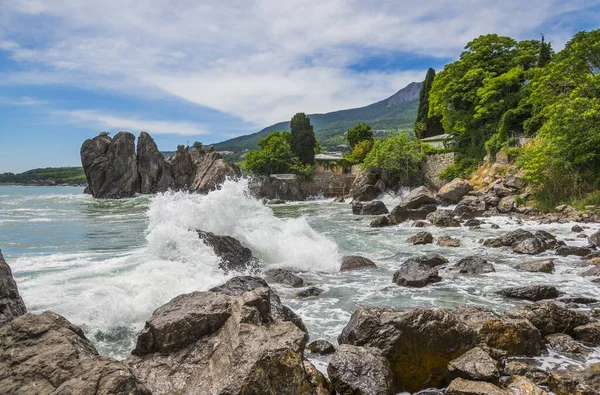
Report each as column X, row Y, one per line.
column 46, row 354
column 11, row 303
column 114, row 170
column 219, row 343
column 234, row 256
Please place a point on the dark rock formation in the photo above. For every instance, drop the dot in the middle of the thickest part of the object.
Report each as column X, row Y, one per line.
column 531, row 292
column 429, row 260
column 284, row 276
column 547, row 238
column 376, row 207
column 592, row 272
column 45, row 353
column 421, row 238
column 454, row 191
column 443, row 219
column 224, row 344
column 516, row 236
column 474, row 265
column 11, row 303
column 418, row 343
column 572, row 250
column 366, row 193
column 234, row 256
column 475, row 364
column 309, row 292
column 321, row 347
column 589, row 333
column 413, row 274
column 549, row 317
column 470, row 206
column 515, row 336
column 352, row 262
column 155, row 173
column 562, row 343
column 531, row 246
column 447, row 241
column 461, row 386
column 381, row 222
column 210, row 171
column 360, row 371
column 542, row 266
column 594, row 239
column 571, row 382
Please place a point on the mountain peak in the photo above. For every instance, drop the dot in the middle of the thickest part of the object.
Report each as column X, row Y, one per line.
column 407, row 94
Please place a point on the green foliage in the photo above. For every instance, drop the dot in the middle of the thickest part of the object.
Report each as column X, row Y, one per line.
column 276, row 157
column 545, row 53
column 60, row 175
column 197, row 145
column 360, row 152
column 399, row 155
column 426, row 126
column 358, row 133
column 462, row 168
column 303, row 141
column 104, row 134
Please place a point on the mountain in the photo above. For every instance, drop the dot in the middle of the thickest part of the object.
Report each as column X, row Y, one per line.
column 397, row 111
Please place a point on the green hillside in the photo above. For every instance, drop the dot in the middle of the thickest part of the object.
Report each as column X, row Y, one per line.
column 60, row 175
column 397, row 111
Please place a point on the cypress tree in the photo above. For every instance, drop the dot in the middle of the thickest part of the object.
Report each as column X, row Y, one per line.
column 545, row 54
column 424, row 125
column 303, row 141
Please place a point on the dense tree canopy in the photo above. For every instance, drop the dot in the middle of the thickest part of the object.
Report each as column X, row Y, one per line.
column 359, row 133
column 303, row 141
column 399, row 155
column 276, row 157
column 426, row 126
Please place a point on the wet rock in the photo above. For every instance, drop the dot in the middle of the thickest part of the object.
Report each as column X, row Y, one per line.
column 547, row 238
column 275, row 201
column 321, row 347
column 375, row 207
column 521, row 368
column 366, row 193
column 582, row 236
column 421, row 238
column 570, row 382
column 541, row 266
column 413, row 274
column 531, row 246
column 381, row 222
column 454, row 191
column 474, row 265
column 399, row 214
column 475, row 364
column 443, row 219
column 339, row 199
column 419, row 224
column 594, row 239
column 360, row 371
column 572, row 250
column 562, row 343
column 352, row 262
column 250, row 352
column 155, row 173
column 590, row 256
column 421, row 212
column 309, row 292
column 520, row 385
column 494, row 226
column 418, row 343
column 429, row 260
column 284, row 276
column 507, row 204
column 236, row 286
column 470, row 206
column 515, row 336
column 549, row 317
column 418, row 197
column 234, row 256
column 114, row 173
column 210, row 171
column 578, row 300
column 576, row 229
column 516, row 236
column 589, row 333
column 460, row 386
column 447, row 241
column 592, row 272
column 45, row 353
column 11, row 303
column 531, row 292
column 493, row 242
column 474, row 316
column 473, row 222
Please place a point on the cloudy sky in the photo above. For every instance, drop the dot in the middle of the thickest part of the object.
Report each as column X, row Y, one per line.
column 210, row 70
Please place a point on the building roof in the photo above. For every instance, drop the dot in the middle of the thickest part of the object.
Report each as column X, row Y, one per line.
column 441, row 137
column 327, row 157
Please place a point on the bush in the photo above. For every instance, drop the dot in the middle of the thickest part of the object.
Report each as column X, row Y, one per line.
column 360, row 152
column 398, row 155
column 462, row 168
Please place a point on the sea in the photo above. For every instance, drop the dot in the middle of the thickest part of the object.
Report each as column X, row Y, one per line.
column 106, row 265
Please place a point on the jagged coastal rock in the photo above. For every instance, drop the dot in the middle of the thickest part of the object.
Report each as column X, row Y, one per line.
column 11, row 303
column 114, row 170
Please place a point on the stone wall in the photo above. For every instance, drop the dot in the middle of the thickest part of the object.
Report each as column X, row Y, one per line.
column 328, row 185
column 434, row 165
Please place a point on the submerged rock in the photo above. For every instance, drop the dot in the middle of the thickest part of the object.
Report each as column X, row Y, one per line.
column 376, row 207
column 447, row 241
column 11, row 303
column 46, row 354
column 234, row 256
column 284, row 276
column 321, row 347
column 418, row 343
column 421, row 238
column 414, row 274
column 542, row 266
column 474, row 265
column 309, row 292
column 531, row 292
column 352, row 262
column 360, row 371
column 572, row 250
column 443, row 219
column 381, row 222
column 562, row 343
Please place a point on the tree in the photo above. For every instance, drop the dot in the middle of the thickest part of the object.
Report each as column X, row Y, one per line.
column 303, row 141
column 360, row 151
column 545, row 53
column 197, row 145
column 359, row 133
column 426, row 126
column 398, row 155
column 276, row 157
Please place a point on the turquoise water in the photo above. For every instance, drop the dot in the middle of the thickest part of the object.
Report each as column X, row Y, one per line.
column 106, row 265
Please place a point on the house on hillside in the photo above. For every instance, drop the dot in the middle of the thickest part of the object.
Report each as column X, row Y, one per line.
column 330, row 163
column 437, row 141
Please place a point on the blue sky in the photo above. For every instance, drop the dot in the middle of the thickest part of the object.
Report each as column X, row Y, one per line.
column 211, row 70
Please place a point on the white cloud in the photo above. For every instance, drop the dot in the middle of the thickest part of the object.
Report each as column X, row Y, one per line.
column 132, row 124
column 21, row 101
column 260, row 61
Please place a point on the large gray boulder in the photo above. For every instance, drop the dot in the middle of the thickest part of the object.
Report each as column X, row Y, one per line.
column 11, row 303
column 155, row 173
column 454, row 191
column 417, row 343
column 475, row 364
column 594, row 239
column 46, row 354
column 418, row 197
column 414, row 274
column 353, row 262
column 376, row 207
column 542, row 266
column 234, row 256
column 224, row 344
column 443, row 219
column 531, row 246
column 549, row 317
column 113, row 174
column 516, row 236
column 474, row 265
column 360, row 371
column 531, row 292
